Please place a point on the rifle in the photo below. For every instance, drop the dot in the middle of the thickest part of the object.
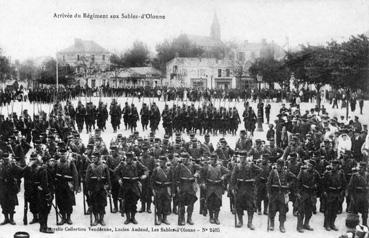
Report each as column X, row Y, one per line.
column 235, row 208
column 57, row 214
column 84, row 197
column 110, row 203
column 25, row 219
column 268, row 217
column 122, row 207
column 91, row 217
column 155, row 217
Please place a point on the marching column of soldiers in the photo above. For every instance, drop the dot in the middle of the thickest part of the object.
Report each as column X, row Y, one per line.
column 324, row 158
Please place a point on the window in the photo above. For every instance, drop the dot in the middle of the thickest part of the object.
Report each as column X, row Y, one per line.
column 175, row 69
column 64, row 58
column 103, row 57
column 241, row 56
column 77, row 57
column 228, row 73
column 219, row 72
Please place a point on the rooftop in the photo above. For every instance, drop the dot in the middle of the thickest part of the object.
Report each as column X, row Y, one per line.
column 84, row 46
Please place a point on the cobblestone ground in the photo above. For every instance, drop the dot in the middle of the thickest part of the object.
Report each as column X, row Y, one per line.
column 202, row 227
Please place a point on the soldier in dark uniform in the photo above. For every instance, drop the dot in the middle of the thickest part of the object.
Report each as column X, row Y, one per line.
column 277, row 188
column 267, row 112
column 334, row 184
column 243, row 143
column 46, row 188
column 9, row 188
column 102, row 116
column 207, row 145
column 161, row 180
column 112, row 161
column 358, row 190
column 133, row 118
column 115, row 114
column 243, row 186
column 293, row 165
column 212, row 177
column 126, row 112
column 146, row 197
column 31, row 182
column 186, row 173
column 307, row 184
column 145, row 116
column 128, row 173
column 98, row 185
column 261, row 192
column 66, row 185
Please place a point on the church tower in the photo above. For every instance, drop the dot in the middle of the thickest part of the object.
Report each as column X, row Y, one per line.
column 215, row 28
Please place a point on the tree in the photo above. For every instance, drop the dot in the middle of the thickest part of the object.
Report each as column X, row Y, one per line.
column 273, row 71
column 5, row 68
column 179, row 47
column 28, row 70
column 137, row 56
column 48, row 73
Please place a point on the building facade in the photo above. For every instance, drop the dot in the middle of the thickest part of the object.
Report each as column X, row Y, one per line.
column 199, row 73
column 85, row 56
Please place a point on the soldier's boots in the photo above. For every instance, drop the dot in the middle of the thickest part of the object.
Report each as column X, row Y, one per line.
column 128, row 218
column 259, row 211
column 165, row 220
column 69, row 221
column 271, row 227
column 211, row 217
column 189, row 218
column 34, row 219
column 43, row 226
column 142, row 208
column 102, row 222
column 240, row 221
column 96, row 221
column 281, row 227
column 307, row 226
column 148, row 207
column 216, row 218
column 115, row 209
column 11, row 220
column 249, row 221
column 6, row 219
column 133, row 219
column 62, row 221
column 181, row 218
column 299, row 224
column 265, row 207
column 158, row 220
column 326, row 223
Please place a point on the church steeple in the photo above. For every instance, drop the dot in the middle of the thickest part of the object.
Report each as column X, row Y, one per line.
column 215, row 28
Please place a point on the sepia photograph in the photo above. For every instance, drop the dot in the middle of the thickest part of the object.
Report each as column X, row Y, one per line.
column 197, row 118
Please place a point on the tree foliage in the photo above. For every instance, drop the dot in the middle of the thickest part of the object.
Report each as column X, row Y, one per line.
column 48, row 73
column 137, row 56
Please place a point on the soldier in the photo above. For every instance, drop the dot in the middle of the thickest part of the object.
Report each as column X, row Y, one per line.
column 267, row 112
column 358, row 190
column 261, row 192
column 145, row 116
column 148, row 161
column 293, row 165
column 9, row 188
column 161, row 179
column 212, row 178
column 207, row 145
column 31, row 182
column 243, row 187
column 277, row 189
column 186, row 173
column 66, row 185
column 46, row 193
column 112, row 162
column 115, row 114
column 98, row 185
column 243, row 143
column 307, row 185
column 102, row 116
column 128, row 173
column 126, row 112
column 334, row 183
column 133, row 118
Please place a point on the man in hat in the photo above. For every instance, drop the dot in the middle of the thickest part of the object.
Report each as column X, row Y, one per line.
column 243, row 179
column 149, row 162
column 98, row 185
column 185, row 179
column 213, row 176
column 224, row 152
column 80, row 116
column 112, row 161
column 9, row 188
column 145, row 116
column 357, row 191
column 278, row 189
column 293, row 165
column 161, row 179
column 243, row 143
column 307, row 185
column 274, row 152
column 207, row 145
column 334, row 184
column 261, row 192
column 66, row 185
column 257, row 150
column 128, row 174
column 115, row 114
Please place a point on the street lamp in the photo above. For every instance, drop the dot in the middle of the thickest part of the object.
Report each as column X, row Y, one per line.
column 260, row 105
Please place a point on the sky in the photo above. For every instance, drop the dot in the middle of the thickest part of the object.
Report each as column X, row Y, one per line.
column 28, row 29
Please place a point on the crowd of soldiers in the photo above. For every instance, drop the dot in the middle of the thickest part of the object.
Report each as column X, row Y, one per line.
column 321, row 157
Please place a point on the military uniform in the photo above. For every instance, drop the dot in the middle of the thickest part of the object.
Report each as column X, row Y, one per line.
column 112, row 161
column 146, row 197
column 128, row 174
column 98, row 185
column 243, row 184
